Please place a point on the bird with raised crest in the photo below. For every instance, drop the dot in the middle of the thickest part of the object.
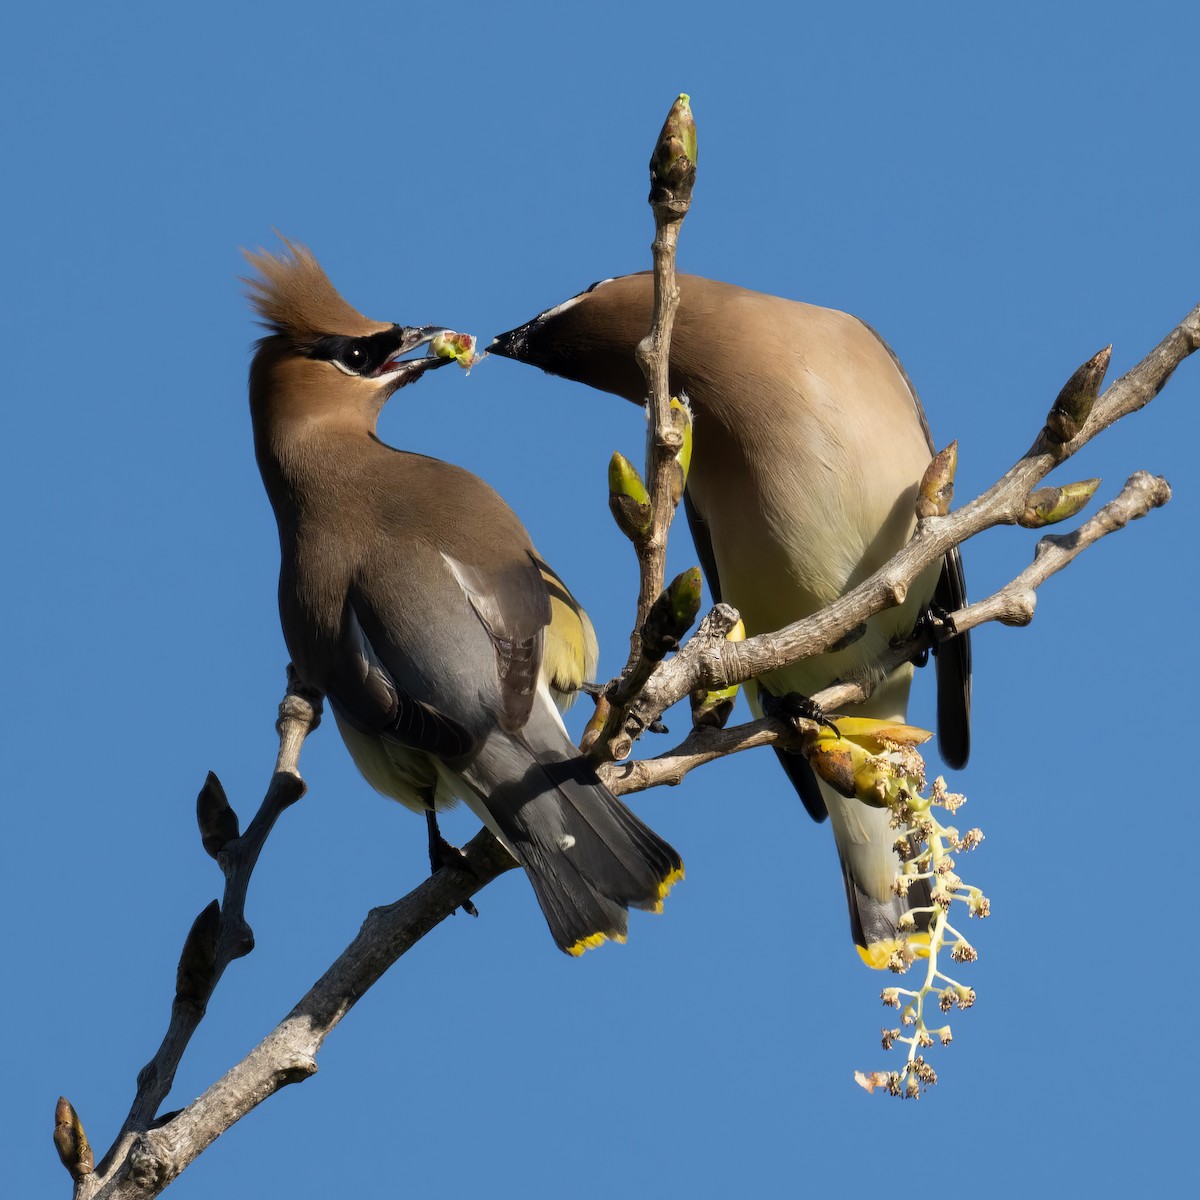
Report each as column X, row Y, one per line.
column 412, row 597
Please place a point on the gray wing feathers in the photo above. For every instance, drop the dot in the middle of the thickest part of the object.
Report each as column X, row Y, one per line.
column 514, row 607
column 366, row 694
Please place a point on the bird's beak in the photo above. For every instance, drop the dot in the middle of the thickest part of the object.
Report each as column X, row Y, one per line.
column 511, row 344
column 399, row 370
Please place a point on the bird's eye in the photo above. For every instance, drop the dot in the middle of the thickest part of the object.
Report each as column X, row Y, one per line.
column 354, row 357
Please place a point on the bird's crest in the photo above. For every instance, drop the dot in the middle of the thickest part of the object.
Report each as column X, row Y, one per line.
column 293, row 296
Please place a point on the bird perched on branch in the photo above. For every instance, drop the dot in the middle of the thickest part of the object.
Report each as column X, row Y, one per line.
column 412, row 597
column 809, row 445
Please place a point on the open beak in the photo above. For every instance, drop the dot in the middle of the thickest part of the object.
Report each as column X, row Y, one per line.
column 399, row 370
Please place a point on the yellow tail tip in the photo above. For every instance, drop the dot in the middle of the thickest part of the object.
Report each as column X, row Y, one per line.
column 664, row 888
column 878, row 955
column 592, row 941
column 656, row 906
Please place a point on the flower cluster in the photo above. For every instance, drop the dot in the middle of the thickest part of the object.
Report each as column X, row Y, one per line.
column 880, row 761
column 927, row 849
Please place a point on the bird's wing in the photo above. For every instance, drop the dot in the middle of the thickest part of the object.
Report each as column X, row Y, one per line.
column 571, row 653
column 702, row 540
column 512, row 602
column 436, row 652
column 378, row 697
column 953, row 658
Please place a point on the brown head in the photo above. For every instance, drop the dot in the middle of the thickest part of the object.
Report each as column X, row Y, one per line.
column 590, row 338
column 322, row 362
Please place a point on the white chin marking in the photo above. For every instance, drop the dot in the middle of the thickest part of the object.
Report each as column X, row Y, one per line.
column 566, row 842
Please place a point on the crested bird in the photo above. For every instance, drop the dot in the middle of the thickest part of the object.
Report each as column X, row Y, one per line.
column 809, row 443
column 412, row 597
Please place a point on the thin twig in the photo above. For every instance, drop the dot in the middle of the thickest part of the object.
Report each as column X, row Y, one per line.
column 220, row 933
column 299, row 714
column 152, row 1159
column 672, row 176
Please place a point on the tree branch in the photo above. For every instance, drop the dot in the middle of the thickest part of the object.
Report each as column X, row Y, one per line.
column 288, row 1053
column 220, row 933
column 1012, row 604
column 672, row 175
column 645, row 513
column 148, row 1153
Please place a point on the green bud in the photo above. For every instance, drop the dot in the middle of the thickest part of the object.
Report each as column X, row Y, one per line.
column 628, row 499
column 71, row 1142
column 671, row 615
column 673, row 162
column 937, row 484
column 1048, row 506
column 681, row 418
column 1074, row 403
column 684, row 592
column 624, row 480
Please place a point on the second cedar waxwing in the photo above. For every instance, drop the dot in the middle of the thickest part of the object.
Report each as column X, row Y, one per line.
column 412, row 597
column 809, row 443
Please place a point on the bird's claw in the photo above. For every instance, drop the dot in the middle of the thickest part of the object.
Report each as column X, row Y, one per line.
column 792, row 706
column 935, row 624
column 443, row 854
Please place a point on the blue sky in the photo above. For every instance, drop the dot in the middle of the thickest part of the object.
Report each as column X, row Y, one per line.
column 1000, row 191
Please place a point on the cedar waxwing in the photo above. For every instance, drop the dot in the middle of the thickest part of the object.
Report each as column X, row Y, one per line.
column 412, row 597
column 809, row 445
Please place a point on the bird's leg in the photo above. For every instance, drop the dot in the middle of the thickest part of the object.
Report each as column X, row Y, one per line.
column 442, row 854
column 792, row 705
column 935, row 623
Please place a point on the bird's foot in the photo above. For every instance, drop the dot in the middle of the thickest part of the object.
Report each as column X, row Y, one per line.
column 935, row 623
column 442, row 854
column 793, row 705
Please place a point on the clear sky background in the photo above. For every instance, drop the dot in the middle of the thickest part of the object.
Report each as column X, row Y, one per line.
column 1000, row 190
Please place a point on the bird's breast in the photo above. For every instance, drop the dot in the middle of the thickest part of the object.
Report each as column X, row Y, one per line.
column 801, row 507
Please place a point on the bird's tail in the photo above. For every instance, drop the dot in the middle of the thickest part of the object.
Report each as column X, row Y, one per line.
column 588, row 857
column 866, row 846
column 865, row 841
